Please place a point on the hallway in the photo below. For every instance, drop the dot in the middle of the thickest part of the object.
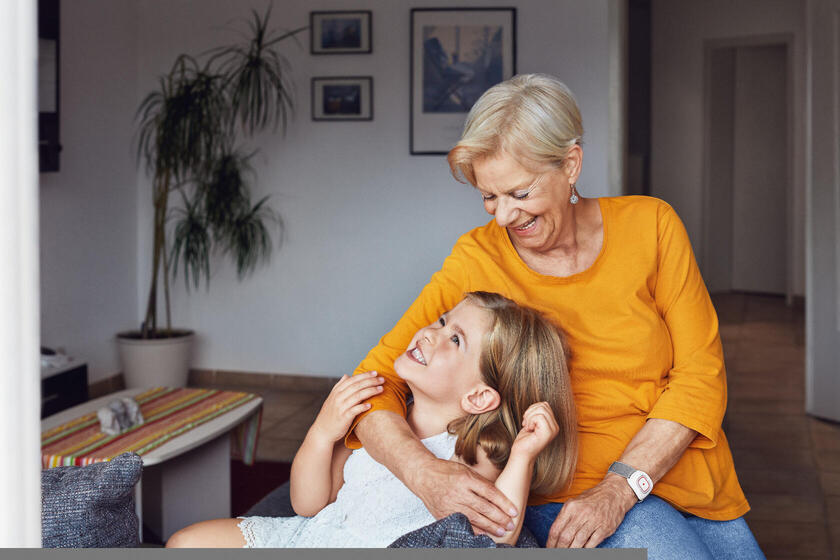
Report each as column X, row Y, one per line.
column 787, row 462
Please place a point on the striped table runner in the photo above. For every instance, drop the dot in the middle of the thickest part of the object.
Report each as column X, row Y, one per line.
column 168, row 413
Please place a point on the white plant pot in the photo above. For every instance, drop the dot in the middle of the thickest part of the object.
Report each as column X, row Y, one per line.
column 163, row 362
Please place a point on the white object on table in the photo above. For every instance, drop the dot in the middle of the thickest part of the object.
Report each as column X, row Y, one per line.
column 185, row 480
column 59, row 363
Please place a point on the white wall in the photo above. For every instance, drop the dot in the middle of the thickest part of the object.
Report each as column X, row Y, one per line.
column 88, row 209
column 366, row 223
column 822, row 314
column 679, row 30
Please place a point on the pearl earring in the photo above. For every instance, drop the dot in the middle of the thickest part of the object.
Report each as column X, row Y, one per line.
column 573, row 198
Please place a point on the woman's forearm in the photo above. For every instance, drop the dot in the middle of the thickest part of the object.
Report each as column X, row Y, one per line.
column 389, row 440
column 445, row 487
column 588, row 519
column 655, row 449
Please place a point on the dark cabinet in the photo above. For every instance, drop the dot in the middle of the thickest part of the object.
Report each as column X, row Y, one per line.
column 64, row 389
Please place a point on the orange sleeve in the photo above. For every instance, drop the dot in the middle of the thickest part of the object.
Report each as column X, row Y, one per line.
column 695, row 394
column 445, row 289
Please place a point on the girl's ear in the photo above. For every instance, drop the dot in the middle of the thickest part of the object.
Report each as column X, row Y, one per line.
column 481, row 398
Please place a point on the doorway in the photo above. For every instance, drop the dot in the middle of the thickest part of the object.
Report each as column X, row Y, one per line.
column 747, row 181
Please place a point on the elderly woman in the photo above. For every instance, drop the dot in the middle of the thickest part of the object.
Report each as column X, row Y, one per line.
column 618, row 274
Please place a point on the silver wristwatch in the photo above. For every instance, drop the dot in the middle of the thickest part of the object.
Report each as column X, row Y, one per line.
column 639, row 481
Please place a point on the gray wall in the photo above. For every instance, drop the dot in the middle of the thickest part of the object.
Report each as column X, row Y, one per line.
column 88, row 210
column 680, row 31
column 760, row 180
column 366, row 223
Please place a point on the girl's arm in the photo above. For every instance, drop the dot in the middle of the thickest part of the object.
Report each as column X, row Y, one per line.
column 316, row 474
column 515, row 482
column 539, row 427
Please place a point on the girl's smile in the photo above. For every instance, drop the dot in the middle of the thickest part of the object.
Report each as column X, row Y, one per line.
column 442, row 359
column 416, row 355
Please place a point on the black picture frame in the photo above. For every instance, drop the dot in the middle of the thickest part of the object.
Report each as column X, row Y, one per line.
column 49, row 82
column 341, row 32
column 444, row 83
column 342, row 98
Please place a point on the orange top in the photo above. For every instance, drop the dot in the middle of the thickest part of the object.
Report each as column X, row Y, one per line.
column 644, row 340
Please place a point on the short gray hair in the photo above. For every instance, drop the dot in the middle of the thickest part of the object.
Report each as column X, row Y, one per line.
column 532, row 116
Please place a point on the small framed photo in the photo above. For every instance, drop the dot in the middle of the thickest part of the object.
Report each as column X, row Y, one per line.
column 343, row 32
column 456, row 55
column 346, row 98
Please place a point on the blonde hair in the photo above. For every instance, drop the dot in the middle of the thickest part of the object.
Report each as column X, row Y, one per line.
column 532, row 116
column 525, row 358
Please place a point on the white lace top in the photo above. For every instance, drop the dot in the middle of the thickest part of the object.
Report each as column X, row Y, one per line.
column 372, row 509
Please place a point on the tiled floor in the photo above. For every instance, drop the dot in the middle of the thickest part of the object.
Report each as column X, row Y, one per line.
column 788, row 463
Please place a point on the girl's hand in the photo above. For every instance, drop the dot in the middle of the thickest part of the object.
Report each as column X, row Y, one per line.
column 343, row 404
column 539, row 427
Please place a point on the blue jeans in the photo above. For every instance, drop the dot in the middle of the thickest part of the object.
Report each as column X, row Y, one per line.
column 665, row 532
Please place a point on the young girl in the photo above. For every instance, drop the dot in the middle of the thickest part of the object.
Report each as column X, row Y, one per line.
column 490, row 388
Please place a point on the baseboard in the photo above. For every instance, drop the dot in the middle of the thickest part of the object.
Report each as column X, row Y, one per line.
column 281, row 381
column 201, row 377
column 106, row 386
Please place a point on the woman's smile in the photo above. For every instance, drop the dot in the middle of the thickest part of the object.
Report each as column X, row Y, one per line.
column 527, row 228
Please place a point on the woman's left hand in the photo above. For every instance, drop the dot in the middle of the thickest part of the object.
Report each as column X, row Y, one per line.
column 593, row 516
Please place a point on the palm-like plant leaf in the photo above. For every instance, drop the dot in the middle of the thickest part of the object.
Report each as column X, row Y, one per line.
column 187, row 129
column 224, row 191
column 182, row 124
column 249, row 241
column 191, row 243
column 259, row 77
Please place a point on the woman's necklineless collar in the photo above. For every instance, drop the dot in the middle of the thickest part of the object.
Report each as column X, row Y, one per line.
column 604, row 211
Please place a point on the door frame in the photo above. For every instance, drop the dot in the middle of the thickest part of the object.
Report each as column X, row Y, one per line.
column 764, row 40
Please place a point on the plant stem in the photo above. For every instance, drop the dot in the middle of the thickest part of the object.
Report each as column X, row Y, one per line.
column 150, row 324
column 161, row 190
column 165, row 197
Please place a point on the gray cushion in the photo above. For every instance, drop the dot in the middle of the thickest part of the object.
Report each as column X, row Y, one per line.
column 91, row 506
column 276, row 503
column 455, row 531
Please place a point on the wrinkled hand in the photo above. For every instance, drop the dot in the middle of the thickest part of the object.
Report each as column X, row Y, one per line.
column 344, row 403
column 447, row 487
column 539, row 427
column 593, row 516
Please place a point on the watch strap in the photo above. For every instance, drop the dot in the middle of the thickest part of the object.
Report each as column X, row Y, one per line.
column 621, row 469
column 639, row 481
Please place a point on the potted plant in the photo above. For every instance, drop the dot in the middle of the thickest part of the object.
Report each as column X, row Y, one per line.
column 187, row 136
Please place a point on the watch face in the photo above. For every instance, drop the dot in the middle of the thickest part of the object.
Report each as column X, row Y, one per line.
column 641, row 484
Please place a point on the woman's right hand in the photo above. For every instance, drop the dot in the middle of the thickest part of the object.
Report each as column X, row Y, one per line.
column 447, row 487
column 344, row 403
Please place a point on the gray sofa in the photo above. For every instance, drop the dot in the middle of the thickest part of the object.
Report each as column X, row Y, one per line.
column 93, row 507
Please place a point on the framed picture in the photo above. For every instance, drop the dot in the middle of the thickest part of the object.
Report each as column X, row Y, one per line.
column 347, row 98
column 342, row 32
column 456, row 55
